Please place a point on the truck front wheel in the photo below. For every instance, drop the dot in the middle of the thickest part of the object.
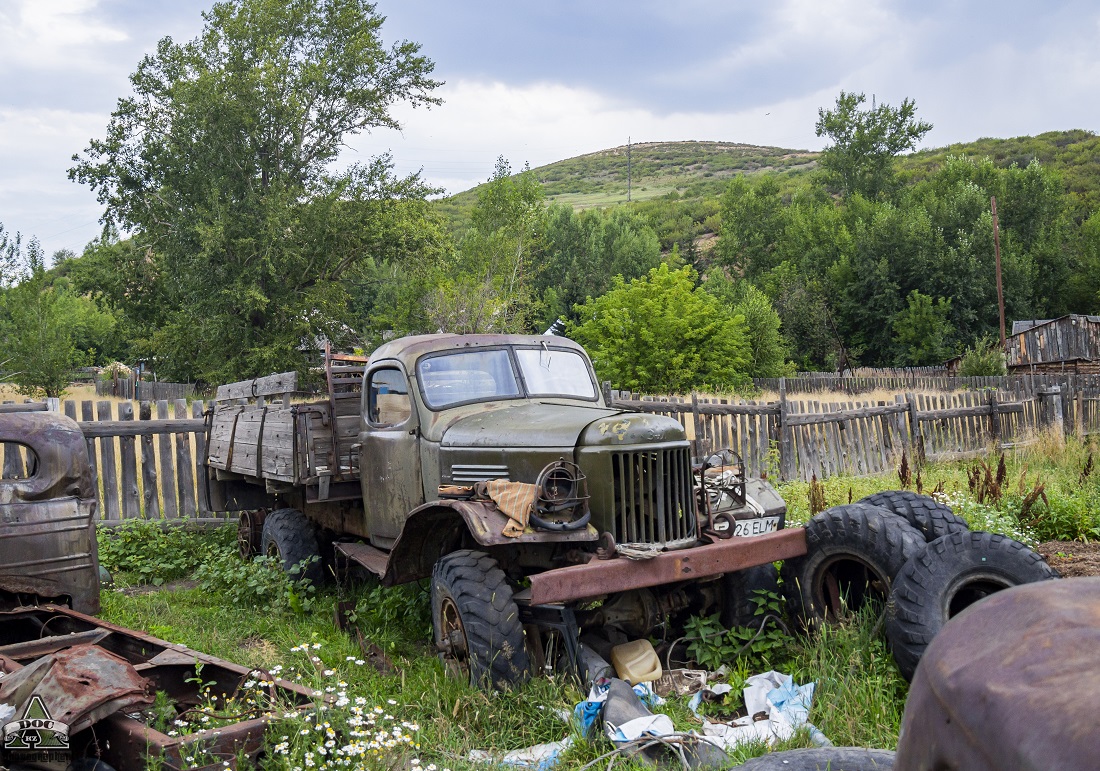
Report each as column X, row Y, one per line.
column 477, row 628
column 289, row 536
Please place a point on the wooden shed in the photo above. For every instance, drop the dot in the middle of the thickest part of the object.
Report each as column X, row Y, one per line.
column 1067, row 344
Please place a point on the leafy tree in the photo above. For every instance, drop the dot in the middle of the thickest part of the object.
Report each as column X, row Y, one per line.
column 922, row 330
column 661, row 334
column 10, row 257
column 753, row 222
column 487, row 286
column 768, row 349
column 221, row 164
column 985, row 358
column 37, row 330
column 584, row 251
column 865, row 141
column 801, row 301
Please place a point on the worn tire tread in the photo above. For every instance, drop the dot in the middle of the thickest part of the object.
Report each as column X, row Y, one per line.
column 873, row 535
column 932, row 518
column 295, row 537
column 916, row 611
column 490, row 617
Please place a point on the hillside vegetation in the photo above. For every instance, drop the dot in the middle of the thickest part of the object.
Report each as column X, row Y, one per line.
column 696, row 169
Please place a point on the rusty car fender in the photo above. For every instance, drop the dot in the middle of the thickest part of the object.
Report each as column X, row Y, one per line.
column 436, row 528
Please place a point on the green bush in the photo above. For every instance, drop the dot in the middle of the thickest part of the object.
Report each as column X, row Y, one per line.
column 984, row 359
column 260, row 582
column 151, row 554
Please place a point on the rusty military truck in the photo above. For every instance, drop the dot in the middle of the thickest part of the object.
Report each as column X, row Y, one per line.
column 493, row 465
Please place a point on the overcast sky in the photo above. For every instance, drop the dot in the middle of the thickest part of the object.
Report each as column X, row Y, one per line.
column 538, row 82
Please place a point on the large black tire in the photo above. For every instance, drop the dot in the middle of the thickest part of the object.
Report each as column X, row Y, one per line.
column 932, row 518
column 738, row 590
column 823, row 759
column 853, row 554
column 476, row 621
column 946, row 577
column 291, row 537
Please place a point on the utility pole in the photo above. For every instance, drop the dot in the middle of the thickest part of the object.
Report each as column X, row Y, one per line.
column 628, row 169
column 997, row 256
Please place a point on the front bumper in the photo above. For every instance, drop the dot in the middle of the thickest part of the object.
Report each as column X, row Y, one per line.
column 599, row 577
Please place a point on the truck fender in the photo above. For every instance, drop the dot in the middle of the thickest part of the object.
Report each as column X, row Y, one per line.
column 436, row 528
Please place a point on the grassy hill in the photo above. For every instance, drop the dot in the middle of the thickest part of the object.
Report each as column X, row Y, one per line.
column 691, row 169
column 700, row 170
column 1075, row 154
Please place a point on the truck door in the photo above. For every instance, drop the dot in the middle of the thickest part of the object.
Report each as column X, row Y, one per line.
column 389, row 455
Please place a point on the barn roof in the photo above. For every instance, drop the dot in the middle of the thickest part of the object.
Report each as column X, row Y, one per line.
column 1023, row 326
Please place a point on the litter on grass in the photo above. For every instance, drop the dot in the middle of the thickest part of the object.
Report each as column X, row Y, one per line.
column 776, row 708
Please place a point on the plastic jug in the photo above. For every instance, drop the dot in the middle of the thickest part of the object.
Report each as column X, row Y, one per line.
column 636, row 662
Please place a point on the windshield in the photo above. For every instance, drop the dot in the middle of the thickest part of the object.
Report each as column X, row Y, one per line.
column 467, row 377
column 554, row 372
column 483, row 375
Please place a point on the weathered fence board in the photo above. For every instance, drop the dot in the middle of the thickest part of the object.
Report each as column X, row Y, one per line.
column 143, row 390
column 145, row 467
column 812, row 438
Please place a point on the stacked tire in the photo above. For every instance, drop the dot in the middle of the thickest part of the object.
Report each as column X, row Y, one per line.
column 908, row 554
column 853, row 554
column 947, row 576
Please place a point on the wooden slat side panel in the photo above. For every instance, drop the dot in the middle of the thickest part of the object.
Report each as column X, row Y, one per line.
column 271, row 385
column 277, row 446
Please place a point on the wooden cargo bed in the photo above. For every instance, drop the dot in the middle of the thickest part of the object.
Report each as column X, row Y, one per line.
column 258, row 433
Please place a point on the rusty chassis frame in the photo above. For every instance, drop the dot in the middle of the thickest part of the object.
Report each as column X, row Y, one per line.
column 600, row 577
column 123, row 741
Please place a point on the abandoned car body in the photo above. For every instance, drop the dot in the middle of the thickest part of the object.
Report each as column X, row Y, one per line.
column 47, row 504
column 493, row 465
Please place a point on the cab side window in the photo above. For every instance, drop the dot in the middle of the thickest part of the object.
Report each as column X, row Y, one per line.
column 388, row 402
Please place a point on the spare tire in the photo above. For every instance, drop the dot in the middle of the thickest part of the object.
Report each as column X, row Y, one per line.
column 925, row 513
column 947, row 576
column 853, row 553
column 823, row 759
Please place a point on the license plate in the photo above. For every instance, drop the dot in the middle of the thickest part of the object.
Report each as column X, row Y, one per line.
column 746, row 528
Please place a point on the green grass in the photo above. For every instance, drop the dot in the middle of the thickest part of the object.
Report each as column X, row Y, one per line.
column 858, row 700
column 1070, row 511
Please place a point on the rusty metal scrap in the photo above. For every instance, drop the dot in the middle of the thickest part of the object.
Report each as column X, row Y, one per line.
column 93, row 674
column 79, row 686
column 47, row 533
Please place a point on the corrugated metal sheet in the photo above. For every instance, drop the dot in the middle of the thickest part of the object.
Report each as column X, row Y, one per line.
column 1069, row 338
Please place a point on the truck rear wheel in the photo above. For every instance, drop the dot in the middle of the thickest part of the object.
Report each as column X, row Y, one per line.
column 477, row 628
column 289, row 536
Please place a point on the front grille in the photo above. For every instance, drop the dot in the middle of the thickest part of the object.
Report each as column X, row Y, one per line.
column 654, row 502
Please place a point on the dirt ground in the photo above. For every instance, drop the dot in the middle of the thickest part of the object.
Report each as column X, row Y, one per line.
column 1072, row 558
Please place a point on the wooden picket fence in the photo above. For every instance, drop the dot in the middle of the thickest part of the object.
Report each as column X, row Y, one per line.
column 922, row 379
column 802, row 439
column 148, row 465
column 143, row 390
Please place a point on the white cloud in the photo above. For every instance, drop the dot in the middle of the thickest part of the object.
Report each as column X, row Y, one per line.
column 55, row 35
column 457, row 143
column 36, row 196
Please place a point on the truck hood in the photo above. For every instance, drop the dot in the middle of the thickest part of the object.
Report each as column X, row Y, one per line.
column 557, row 425
column 525, row 425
